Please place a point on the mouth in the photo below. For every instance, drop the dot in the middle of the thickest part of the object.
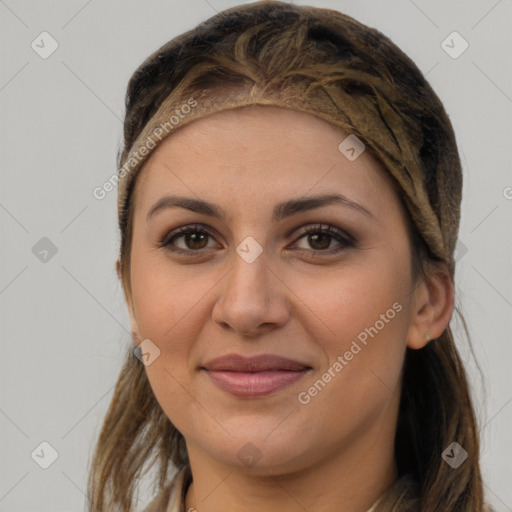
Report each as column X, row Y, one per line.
column 254, row 376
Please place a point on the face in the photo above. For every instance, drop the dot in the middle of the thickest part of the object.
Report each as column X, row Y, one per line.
column 325, row 284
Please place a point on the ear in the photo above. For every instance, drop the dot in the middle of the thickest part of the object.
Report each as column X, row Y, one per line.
column 133, row 323
column 432, row 306
column 118, row 270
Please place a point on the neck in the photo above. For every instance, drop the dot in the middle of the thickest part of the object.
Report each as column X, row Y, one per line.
column 352, row 478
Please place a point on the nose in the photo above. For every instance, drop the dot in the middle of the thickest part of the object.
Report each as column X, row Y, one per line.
column 252, row 299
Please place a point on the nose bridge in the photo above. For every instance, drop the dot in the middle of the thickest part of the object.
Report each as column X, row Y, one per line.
column 250, row 295
column 248, row 281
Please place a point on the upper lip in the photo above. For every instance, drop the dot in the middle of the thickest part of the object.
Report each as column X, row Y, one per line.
column 261, row 363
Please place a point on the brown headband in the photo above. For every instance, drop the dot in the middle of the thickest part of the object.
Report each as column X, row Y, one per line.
column 380, row 127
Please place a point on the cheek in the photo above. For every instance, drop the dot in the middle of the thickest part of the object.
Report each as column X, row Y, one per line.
column 359, row 316
column 344, row 303
column 167, row 307
column 165, row 297
column 166, row 313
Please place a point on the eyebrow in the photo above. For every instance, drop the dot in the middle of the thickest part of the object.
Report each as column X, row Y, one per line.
column 280, row 211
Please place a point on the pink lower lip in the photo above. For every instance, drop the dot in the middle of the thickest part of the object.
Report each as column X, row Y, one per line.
column 247, row 384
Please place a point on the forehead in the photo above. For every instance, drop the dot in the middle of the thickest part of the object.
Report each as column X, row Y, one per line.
column 261, row 152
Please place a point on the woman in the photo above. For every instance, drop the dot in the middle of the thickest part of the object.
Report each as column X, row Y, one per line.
column 289, row 203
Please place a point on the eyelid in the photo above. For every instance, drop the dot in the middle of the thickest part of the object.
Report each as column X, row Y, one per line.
column 183, row 230
column 344, row 239
column 324, row 228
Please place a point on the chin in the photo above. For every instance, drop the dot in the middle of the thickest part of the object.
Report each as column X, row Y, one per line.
column 258, row 452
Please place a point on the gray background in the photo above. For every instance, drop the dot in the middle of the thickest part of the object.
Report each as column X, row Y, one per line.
column 64, row 323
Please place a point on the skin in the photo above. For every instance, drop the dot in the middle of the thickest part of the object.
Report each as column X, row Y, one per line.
column 294, row 300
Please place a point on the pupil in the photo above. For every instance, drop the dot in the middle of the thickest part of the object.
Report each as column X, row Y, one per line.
column 325, row 238
column 195, row 237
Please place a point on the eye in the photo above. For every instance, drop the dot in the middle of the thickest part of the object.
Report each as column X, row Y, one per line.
column 319, row 237
column 193, row 236
column 195, row 239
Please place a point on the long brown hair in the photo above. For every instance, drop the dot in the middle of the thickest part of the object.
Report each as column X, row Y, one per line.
column 248, row 45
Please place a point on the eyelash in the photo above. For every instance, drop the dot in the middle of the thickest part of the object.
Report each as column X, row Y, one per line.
column 347, row 241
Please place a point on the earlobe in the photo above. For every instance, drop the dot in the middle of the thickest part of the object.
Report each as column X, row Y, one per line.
column 134, row 328
column 135, row 331
column 432, row 309
column 118, row 269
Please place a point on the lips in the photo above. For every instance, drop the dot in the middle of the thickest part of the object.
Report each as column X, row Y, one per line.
column 254, row 376
column 262, row 363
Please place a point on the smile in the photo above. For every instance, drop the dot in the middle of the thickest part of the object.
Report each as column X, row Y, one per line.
column 255, row 384
column 256, row 375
